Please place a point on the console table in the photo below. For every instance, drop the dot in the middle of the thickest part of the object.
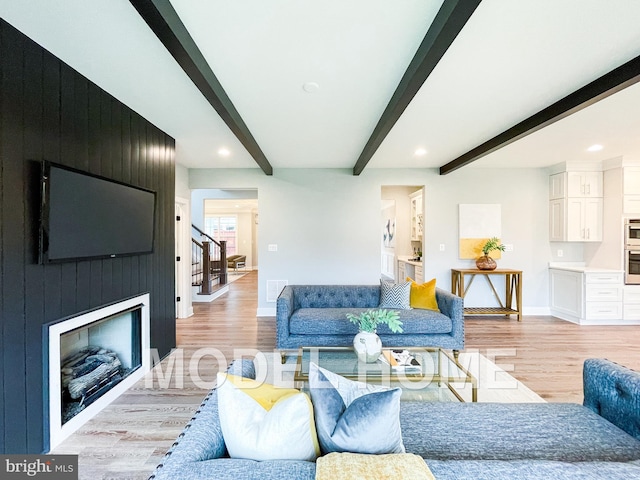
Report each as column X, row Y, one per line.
column 513, row 290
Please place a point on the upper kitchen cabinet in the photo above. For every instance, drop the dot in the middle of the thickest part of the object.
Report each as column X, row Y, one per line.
column 417, row 217
column 584, row 184
column 575, row 207
column 575, row 184
column 631, row 190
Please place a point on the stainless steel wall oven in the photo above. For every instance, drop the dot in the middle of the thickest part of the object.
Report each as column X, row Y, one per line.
column 632, row 251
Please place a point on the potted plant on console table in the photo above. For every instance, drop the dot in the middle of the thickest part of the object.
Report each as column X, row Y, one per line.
column 366, row 343
column 485, row 262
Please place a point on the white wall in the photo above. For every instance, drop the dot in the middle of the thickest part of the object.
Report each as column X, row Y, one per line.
column 325, row 223
column 182, row 182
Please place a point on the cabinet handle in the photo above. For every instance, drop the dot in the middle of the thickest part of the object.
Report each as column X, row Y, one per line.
column 588, row 189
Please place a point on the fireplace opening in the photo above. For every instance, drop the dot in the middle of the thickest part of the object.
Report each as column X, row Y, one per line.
column 92, row 359
column 96, row 357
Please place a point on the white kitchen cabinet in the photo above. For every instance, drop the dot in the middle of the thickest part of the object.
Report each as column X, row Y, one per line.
column 584, row 184
column 631, row 180
column 631, row 311
column 557, row 186
column 584, row 219
column 566, row 300
column 557, row 220
column 575, row 220
column 402, row 271
column 419, row 274
column 586, row 297
column 575, row 211
column 631, row 190
column 417, row 217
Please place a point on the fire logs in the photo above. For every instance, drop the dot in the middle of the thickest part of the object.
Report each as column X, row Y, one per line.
column 86, row 375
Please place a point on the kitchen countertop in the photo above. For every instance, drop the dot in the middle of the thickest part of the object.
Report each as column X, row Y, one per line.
column 581, row 267
column 405, row 259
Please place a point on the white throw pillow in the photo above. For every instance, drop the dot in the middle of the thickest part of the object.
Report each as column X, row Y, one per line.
column 264, row 422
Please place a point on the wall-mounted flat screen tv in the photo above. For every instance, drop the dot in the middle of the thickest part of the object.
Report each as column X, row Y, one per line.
column 86, row 216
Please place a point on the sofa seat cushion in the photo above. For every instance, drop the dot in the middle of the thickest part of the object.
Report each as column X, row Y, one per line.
column 357, row 466
column 237, row 468
column 532, row 469
column 333, row 321
column 501, row 431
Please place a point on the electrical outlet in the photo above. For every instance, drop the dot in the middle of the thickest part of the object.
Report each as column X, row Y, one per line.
column 272, row 247
column 442, row 247
column 559, row 253
column 508, row 247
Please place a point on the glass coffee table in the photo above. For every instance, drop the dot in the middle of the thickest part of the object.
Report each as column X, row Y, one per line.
column 440, row 377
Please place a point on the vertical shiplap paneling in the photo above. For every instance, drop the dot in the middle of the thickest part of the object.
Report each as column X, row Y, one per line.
column 95, row 162
column 115, row 156
column 68, row 141
column 51, row 151
column 106, row 169
column 81, row 160
column 49, row 111
column 136, row 144
column 13, row 250
column 34, row 272
column 3, row 113
column 125, row 155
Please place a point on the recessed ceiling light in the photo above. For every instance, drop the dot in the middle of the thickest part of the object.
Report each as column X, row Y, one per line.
column 223, row 152
column 420, row 152
column 595, row 148
column 310, row 87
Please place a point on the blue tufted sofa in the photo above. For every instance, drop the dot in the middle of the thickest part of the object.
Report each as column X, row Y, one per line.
column 463, row 441
column 315, row 316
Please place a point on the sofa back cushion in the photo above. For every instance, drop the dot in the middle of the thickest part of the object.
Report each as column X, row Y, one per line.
column 613, row 392
column 336, row 296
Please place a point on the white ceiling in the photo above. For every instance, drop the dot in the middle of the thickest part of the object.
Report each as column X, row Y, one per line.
column 512, row 59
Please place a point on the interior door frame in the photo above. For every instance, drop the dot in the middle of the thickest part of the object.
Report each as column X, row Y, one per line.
column 183, row 267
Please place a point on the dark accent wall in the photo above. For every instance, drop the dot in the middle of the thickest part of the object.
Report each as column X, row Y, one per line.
column 49, row 111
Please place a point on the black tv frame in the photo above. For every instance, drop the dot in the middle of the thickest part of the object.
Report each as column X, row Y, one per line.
column 43, row 241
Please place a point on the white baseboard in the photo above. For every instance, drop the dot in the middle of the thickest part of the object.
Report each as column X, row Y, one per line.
column 266, row 312
column 209, row 298
column 543, row 311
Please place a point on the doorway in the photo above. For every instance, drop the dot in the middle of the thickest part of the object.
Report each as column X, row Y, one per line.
column 184, row 307
column 402, row 229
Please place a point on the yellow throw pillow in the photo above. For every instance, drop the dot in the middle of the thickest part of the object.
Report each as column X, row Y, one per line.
column 358, row 466
column 423, row 296
column 264, row 422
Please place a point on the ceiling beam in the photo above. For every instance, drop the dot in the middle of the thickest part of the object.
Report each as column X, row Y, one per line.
column 616, row 80
column 165, row 23
column 449, row 21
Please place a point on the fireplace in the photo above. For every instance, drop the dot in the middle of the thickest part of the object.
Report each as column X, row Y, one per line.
column 93, row 358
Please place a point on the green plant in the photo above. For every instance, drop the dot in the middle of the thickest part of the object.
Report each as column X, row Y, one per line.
column 492, row 244
column 368, row 321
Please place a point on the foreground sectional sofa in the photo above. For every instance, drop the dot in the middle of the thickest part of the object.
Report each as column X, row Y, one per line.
column 315, row 316
column 458, row 441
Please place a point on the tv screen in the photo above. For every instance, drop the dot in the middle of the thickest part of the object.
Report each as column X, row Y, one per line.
column 86, row 216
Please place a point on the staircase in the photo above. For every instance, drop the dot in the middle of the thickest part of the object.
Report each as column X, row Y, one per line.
column 208, row 262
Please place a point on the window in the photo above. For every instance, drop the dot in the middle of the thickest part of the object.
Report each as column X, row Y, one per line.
column 223, row 228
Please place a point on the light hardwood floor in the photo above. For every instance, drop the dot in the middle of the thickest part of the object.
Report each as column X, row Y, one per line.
column 128, row 439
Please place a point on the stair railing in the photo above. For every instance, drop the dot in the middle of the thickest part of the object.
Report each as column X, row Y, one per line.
column 209, row 261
